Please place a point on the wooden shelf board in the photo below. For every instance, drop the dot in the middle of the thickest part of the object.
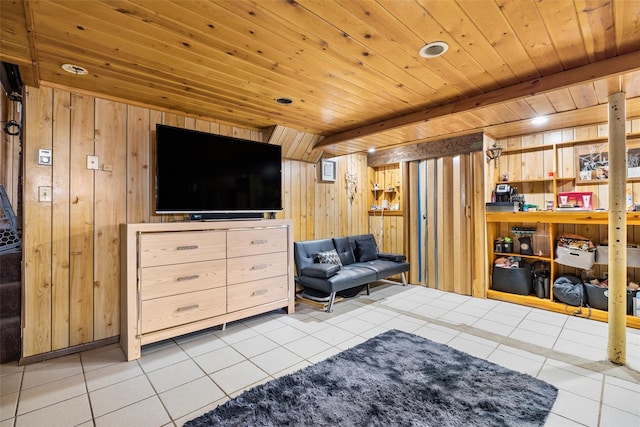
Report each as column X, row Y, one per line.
column 552, row 217
column 536, row 257
column 603, row 181
column 525, row 181
column 526, row 149
column 387, row 212
column 599, row 140
column 533, row 301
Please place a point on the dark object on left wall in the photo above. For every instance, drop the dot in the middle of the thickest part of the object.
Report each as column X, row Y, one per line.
column 10, row 294
column 11, row 81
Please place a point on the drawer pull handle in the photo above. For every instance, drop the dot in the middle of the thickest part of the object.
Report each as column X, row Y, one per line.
column 259, row 267
column 260, row 292
column 259, row 242
column 188, row 307
column 187, row 248
column 183, row 278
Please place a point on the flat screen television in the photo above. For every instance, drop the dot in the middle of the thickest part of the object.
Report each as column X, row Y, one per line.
column 203, row 173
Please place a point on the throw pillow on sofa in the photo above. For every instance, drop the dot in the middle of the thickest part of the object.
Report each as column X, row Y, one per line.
column 366, row 250
column 329, row 257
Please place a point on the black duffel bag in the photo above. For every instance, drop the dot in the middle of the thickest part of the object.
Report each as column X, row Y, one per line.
column 569, row 290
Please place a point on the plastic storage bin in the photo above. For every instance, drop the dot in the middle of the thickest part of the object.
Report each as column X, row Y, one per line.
column 598, row 297
column 633, row 256
column 513, row 280
column 575, row 258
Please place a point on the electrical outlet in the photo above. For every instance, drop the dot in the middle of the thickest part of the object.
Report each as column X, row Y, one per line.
column 92, row 162
column 44, row 194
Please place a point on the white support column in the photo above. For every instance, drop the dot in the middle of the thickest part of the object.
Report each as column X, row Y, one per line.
column 617, row 348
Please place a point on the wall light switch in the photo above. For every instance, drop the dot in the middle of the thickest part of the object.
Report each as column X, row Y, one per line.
column 44, row 194
column 92, row 162
column 44, row 157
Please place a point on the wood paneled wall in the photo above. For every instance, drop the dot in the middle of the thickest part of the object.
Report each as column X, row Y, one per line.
column 71, row 246
column 327, row 209
column 388, row 229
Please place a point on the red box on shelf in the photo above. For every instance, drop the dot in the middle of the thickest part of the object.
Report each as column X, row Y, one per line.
column 576, row 199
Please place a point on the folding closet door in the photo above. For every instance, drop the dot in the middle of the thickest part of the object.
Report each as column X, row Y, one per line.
column 442, row 235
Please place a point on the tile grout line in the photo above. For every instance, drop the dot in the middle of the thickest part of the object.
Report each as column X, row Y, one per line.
column 86, row 387
column 602, row 367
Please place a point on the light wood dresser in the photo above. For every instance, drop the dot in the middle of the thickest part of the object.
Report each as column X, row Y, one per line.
column 182, row 277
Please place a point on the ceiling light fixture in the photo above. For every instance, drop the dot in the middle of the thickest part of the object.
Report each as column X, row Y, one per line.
column 372, row 150
column 284, row 101
column 539, row 120
column 74, row 69
column 433, row 49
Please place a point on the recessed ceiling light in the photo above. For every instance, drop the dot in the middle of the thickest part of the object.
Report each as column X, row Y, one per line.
column 74, row 69
column 284, row 101
column 433, row 49
column 372, row 150
column 539, row 120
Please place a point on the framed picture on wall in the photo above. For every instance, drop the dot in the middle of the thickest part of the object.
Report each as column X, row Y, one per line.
column 592, row 162
column 328, row 170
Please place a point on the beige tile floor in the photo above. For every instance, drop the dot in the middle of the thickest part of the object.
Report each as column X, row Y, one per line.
column 177, row 380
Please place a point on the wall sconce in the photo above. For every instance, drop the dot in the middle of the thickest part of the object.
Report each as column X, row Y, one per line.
column 493, row 153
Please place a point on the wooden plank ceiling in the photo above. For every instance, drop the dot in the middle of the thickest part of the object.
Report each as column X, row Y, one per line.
column 352, row 68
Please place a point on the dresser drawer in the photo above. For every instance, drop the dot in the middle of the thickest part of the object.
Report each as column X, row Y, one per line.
column 256, row 242
column 251, row 294
column 166, row 280
column 176, row 248
column 245, row 269
column 162, row 313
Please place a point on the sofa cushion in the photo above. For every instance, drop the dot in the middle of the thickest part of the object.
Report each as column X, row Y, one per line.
column 391, row 257
column 344, row 249
column 322, row 271
column 306, row 253
column 348, row 277
column 329, row 257
column 384, row 268
column 366, row 250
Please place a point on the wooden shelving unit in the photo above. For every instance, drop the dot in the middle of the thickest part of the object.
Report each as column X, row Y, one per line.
column 550, row 220
column 388, row 178
column 540, row 172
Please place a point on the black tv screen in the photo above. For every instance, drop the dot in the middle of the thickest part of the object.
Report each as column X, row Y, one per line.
column 198, row 172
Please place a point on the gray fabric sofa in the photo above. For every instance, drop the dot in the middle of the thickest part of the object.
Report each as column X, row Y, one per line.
column 359, row 264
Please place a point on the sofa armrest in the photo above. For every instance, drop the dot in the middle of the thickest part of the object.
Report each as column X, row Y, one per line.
column 322, row 271
column 391, row 257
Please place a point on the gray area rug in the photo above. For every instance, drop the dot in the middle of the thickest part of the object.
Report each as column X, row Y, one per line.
column 393, row 379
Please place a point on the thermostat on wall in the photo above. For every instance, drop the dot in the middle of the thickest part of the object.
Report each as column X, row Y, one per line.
column 44, row 157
